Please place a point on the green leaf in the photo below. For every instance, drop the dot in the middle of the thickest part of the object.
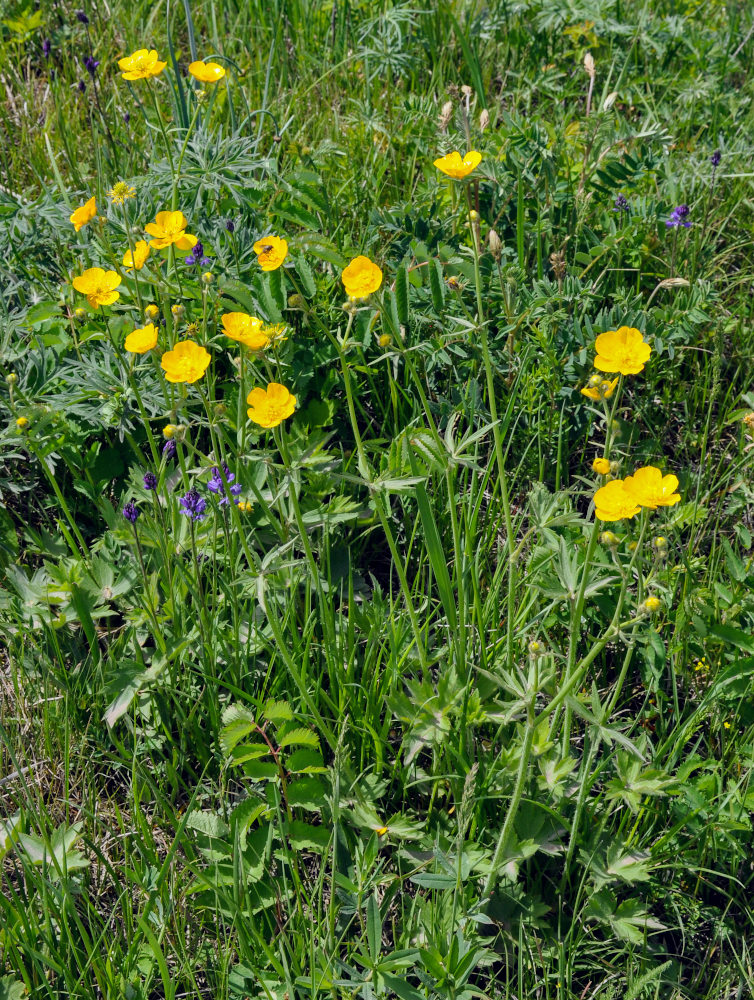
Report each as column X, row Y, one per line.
column 277, row 711
column 401, row 294
column 208, row 823
column 299, row 736
column 305, row 762
column 307, row 793
column 11, row 988
column 306, row 276
column 374, row 928
column 306, row 837
column 437, row 285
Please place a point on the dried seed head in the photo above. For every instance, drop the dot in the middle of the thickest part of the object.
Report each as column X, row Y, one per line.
column 558, row 264
column 445, row 115
column 589, row 64
column 484, row 119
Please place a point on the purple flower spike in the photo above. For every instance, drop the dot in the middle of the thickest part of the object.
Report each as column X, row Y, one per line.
column 81, row 16
column 169, row 449
column 91, row 64
column 81, row 86
column 621, row 204
column 193, row 505
column 678, row 217
column 46, row 48
column 217, row 484
column 715, row 158
column 131, row 512
column 150, row 481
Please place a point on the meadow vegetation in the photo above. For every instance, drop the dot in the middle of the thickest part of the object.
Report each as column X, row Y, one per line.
column 376, row 451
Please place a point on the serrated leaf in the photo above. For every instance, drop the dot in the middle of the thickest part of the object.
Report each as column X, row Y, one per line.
column 298, row 736
column 307, row 793
column 208, row 823
column 305, row 762
column 278, row 711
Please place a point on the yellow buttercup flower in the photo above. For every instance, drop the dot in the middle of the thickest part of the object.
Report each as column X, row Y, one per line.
column 121, row 192
column 245, row 329
column 170, row 228
column 98, row 286
column 269, row 407
column 187, row 362
column 141, row 65
column 613, row 502
column 142, row 340
column 22, row 423
column 271, row 252
column 649, row 488
column 206, row 72
column 139, row 256
column 652, row 604
column 84, row 213
column 361, row 278
column 599, row 388
column 623, row 350
column 601, row 466
column 458, row 168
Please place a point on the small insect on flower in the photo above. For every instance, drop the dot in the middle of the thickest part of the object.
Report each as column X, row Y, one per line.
column 121, row 192
column 84, row 213
column 271, row 252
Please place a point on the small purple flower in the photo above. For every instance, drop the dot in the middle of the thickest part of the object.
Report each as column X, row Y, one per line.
column 218, row 480
column 230, row 225
column 150, row 481
column 193, row 505
column 197, row 255
column 46, row 48
column 81, row 16
column 91, row 64
column 621, row 204
column 81, row 86
column 678, row 218
column 169, row 449
column 131, row 512
column 127, row 117
column 715, row 159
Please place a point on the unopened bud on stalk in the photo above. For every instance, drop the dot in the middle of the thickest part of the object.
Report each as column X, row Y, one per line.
column 495, row 244
column 207, row 278
column 536, row 648
column 22, row 423
column 651, row 606
column 178, row 311
column 152, row 311
column 11, row 378
column 168, row 431
column 609, row 539
column 484, row 119
column 385, row 340
column 79, row 314
column 296, row 301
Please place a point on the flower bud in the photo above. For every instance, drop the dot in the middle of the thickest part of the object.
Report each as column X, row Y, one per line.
column 168, row 431
column 79, row 314
column 385, row 340
column 22, row 423
column 180, row 432
column 349, row 306
column 536, row 648
column 601, row 466
column 244, row 506
column 632, row 546
column 207, row 278
column 178, row 310
column 651, row 605
column 595, row 381
column 474, row 216
column 609, row 539
column 296, row 301
column 484, row 119
column 11, row 378
column 495, row 244
column 152, row 311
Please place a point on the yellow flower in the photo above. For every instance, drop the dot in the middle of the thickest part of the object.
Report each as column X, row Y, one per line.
column 142, row 340
column 139, row 256
column 599, row 388
column 152, row 311
column 98, row 286
column 623, row 350
column 269, row 407
column 601, row 466
column 651, row 604
column 120, row 192
column 271, row 252
column 206, row 72
column 244, row 506
column 187, row 362
column 22, row 423
column 245, row 329
column 168, row 431
column 84, row 213
column 169, row 228
column 613, row 502
column 141, row 65
column 381, row 830
column 458, row 168
column 650, row 488
column 361, row 278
